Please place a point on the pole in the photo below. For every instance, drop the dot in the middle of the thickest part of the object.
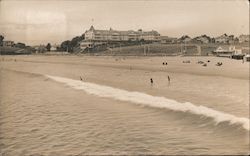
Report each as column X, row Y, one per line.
column 120, row 48
column 185, row 46
column 144, row 50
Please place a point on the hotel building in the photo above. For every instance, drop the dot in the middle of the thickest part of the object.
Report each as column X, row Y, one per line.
column 113, row 35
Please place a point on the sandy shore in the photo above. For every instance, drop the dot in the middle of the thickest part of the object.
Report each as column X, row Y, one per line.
column 230, row 68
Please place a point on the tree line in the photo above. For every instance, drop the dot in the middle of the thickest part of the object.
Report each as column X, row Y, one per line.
column 68, row 45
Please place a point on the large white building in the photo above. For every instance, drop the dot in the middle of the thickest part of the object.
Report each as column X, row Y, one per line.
column 113, row 35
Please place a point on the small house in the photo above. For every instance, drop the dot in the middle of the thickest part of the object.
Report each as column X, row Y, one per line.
column 247, row 58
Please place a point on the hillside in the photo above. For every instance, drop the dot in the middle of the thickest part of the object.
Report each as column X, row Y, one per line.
column 154, row 49
column 13, row 51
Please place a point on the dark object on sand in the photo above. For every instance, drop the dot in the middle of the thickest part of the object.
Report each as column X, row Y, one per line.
column 204, row 65
column 200, row 62
column 208, row 61
column 163, row 63
column 218, row 64
column 168, row 79
column 151, row 81
column 80, row 78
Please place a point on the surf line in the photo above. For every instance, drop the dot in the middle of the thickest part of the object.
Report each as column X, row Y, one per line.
column 152, row 101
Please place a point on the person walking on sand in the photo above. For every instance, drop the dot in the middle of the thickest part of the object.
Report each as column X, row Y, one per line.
column 168, row 80
column 151, row 81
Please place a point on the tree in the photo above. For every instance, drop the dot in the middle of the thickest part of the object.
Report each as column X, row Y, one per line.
column 212, row 40
column 65, row 46
column 48, row 46
column 68, row 45
column 1, row 40
column 74, row 41
column 231, row 37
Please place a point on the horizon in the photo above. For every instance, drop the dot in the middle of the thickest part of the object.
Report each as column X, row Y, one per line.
column 41, row 22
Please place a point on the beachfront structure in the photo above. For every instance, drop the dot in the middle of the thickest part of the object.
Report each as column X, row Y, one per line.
column 114, row 35
column 224, row 51
column 229, row 50
column 244, row 38
column 245, row 50
column 8, row 43
column 247, row 58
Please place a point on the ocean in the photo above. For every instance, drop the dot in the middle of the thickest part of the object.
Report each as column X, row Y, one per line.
column 47, row 110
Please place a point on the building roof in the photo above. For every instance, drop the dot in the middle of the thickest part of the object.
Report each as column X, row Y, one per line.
column 224, row 36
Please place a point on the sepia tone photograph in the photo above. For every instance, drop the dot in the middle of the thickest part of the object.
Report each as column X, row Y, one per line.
column 124, row 77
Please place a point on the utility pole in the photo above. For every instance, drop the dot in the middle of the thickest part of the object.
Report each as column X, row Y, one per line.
column 185, row 48
column 181, row 48
column 120, row 48
column 144, row 50
column 148, row 49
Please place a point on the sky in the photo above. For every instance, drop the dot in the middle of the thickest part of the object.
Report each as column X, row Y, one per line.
column 37, row 22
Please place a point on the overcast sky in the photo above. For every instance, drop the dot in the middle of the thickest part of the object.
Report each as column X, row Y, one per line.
column 42, row 21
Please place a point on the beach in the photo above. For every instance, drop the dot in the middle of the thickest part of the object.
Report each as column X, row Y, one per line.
column 47, row 110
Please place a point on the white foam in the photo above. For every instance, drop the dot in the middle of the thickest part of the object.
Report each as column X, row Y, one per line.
column 153, row 101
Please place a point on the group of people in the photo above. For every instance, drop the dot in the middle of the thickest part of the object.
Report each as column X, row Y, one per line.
column 152, row 81
column 164, row 63
column 205, row 64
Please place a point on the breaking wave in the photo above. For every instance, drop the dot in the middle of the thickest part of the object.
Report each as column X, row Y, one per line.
column 152, row 101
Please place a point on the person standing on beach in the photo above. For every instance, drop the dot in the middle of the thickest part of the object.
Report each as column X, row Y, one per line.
column 151, row 81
